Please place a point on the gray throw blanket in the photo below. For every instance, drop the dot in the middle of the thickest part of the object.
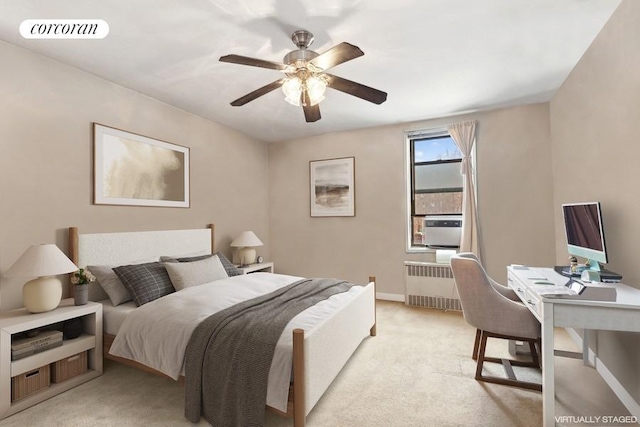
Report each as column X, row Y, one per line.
column 229, row 354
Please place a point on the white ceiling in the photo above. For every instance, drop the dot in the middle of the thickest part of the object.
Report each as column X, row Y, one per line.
column 433, row 57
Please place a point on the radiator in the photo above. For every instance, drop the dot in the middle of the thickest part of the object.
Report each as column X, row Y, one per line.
column 430, row 285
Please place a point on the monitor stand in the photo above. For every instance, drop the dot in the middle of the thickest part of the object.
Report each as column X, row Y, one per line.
column 606, row 275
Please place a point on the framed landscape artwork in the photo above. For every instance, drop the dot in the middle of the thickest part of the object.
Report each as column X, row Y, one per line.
column 332, row 187
column 131, row 169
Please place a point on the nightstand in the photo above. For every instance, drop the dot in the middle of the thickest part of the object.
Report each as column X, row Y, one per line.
column 265, row 267
column 90, row 341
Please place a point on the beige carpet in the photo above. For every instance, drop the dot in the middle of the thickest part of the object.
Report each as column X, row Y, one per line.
column 416, row 372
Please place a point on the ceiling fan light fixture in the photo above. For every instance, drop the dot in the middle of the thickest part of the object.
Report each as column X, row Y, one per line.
column 315, row 87
column 292, row 88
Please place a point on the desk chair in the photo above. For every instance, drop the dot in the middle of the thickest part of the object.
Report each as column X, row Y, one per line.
column 504, row 290
column 495, row 315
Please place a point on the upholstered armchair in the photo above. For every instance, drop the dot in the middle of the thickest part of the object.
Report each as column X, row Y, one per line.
column 495, row 312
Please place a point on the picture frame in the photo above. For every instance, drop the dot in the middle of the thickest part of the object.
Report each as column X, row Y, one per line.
column 135, row 170
column 332, row 187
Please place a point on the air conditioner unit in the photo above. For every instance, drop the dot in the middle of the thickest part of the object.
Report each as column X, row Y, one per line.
column 443, row 231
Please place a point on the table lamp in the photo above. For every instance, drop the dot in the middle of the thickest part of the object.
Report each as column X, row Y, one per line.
column 246, row 241
column 43, row 261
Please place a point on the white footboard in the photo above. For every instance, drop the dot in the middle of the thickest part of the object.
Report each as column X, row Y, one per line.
column 328, row 347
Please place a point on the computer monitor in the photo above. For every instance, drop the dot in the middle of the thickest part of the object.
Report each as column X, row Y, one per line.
column 584, row 231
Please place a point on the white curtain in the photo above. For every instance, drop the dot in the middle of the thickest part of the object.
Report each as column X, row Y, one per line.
column 464, row 135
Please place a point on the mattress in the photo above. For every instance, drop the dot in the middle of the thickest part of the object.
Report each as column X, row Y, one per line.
column 113, row 317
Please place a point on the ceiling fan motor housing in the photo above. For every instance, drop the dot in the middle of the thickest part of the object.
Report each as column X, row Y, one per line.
column 299, row 56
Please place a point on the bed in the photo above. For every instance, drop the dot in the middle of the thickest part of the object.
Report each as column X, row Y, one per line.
column 317, row 352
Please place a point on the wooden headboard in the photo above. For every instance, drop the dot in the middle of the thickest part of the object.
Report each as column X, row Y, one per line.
column 135, row 247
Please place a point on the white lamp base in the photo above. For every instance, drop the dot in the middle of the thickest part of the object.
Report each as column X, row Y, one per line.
column 42, row 294
column 247, row 256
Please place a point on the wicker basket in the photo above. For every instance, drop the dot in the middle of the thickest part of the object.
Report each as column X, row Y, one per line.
column 70, row 367
column 30, row 382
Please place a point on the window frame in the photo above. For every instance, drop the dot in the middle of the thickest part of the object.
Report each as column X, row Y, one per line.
column 409, row 181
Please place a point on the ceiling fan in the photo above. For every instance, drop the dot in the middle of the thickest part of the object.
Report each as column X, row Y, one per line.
column 306, row 78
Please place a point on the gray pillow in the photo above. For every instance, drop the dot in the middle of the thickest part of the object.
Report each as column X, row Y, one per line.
column 112, row 285
column 145, row 282
column 186, row 274
column 228, row 265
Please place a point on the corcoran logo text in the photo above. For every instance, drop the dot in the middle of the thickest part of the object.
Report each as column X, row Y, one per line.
column 64, row 29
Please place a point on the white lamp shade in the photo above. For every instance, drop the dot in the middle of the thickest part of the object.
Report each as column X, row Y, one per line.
column 246, row 239
column 41, row 260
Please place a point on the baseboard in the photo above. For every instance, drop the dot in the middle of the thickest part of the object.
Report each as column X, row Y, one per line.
column 390, row 297
column 621, row 393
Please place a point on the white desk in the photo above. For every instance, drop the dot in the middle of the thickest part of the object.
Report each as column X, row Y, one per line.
column 619, row 315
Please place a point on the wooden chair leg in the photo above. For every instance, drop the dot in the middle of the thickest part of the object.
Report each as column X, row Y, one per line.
column 534, row 353
column 480, row 355
column 507, row 363
column 476, row 344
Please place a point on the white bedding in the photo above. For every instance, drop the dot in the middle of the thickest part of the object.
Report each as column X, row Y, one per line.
column 157, row 333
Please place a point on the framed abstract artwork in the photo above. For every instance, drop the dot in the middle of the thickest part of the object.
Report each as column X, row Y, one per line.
column 332, row 187
column 131, row 169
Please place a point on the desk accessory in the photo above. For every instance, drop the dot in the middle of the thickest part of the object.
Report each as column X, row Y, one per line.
column 591, row 291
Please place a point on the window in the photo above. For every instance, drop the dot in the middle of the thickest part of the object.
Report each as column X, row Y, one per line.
column 434, row 182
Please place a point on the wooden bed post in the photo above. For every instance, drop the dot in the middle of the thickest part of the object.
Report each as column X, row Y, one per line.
column 298, row 378
column 373, row 330
column 73, row 244
column 213, row 237
column 73, row 253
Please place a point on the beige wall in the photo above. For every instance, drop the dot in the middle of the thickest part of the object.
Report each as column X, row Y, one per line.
column 46, row 111
column 595, row 128
column 514, row 192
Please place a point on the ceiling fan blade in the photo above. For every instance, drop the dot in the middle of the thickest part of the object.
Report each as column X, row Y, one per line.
column 356, row 89
column 257, row 93
column 338, row 54
column 253, row 62
column 311, row 112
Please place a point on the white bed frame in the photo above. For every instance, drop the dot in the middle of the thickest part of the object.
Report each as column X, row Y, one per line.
column 318, row 355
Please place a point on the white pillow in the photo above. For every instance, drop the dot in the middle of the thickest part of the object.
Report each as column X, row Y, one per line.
column 111, row 283
column 186, row 274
